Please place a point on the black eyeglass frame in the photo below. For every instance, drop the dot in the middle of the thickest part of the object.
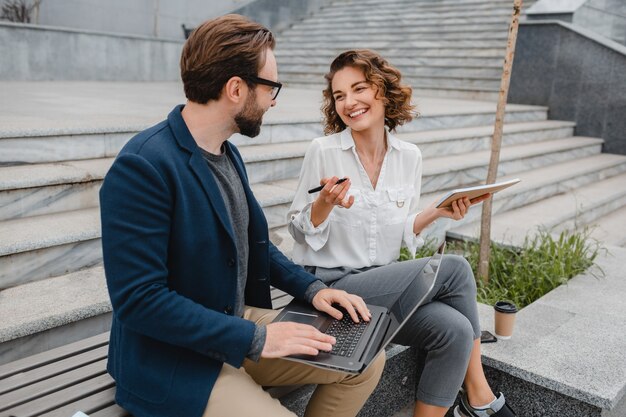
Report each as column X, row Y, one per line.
column 273, row 84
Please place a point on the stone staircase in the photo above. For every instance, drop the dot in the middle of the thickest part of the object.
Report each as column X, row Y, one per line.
column 57, row 141
column 443, row 48
column 51, row 282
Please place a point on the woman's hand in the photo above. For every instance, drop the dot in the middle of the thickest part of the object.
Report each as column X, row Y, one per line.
column 456, row 211
column 332, row 195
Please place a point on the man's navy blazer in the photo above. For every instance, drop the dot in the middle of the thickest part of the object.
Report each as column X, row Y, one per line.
column 171, row 270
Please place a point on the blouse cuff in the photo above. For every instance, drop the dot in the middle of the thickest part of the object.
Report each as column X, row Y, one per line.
column 315, row 237
column 412, row 241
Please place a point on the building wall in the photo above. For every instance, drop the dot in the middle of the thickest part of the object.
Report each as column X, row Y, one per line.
column 580, row 75
column 156, row 18
column 605, row 17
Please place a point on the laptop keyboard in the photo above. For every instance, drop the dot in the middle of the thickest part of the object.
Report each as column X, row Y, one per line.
column 347, row 333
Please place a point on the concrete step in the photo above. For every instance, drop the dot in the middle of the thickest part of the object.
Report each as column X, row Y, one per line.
column 351, row 5
column 383, row 9
column 430, row 81
column 323, row 36
column 425, row 28
column 493, row 70
column 464, row 93
column 609, row 229
column 572, row 209
column 404, row 15
column 550, row 367
column 52, row 312
column 32, row 190
column 39, row 247
column 295, row 118
column 45, row 314
column 470, row 62
column 391, row 53
column 536, row 185
column 490, row 94
column 487, row 18
column 454, row 171
column 470, row 139
column 383, row 45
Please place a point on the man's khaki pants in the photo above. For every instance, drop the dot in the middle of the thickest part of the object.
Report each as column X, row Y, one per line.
column 238, row 392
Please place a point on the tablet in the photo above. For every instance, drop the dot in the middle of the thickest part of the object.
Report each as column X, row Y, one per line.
column 473, row 192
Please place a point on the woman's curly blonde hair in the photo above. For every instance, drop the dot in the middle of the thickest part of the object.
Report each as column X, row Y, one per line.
column 378, row 72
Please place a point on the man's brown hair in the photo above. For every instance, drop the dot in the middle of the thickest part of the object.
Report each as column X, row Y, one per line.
column 381, row 75
column 220, row 49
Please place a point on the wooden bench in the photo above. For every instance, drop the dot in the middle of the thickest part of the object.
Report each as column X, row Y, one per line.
column 71, row 378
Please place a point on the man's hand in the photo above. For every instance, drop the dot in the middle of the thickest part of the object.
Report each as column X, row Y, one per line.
column 287, row 338
column 324, row 300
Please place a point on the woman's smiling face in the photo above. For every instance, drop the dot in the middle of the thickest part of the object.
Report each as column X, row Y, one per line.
column 356, row 102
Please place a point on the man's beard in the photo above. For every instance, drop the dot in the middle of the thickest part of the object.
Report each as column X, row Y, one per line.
column 249, row 119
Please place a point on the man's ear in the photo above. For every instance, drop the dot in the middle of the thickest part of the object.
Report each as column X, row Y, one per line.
column 235, row 89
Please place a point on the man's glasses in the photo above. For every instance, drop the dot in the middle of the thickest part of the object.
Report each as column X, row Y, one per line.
column 275, row 86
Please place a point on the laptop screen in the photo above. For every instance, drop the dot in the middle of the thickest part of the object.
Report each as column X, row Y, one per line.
column 408, row 302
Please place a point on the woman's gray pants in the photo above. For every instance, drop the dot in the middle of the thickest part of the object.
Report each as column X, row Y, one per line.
column 444, row 327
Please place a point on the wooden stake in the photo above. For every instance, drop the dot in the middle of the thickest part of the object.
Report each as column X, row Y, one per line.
column 496, row 141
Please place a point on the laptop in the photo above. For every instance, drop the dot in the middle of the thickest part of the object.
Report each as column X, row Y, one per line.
column 359, row 343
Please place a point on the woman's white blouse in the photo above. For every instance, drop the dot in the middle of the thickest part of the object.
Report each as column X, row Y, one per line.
column 370, row 232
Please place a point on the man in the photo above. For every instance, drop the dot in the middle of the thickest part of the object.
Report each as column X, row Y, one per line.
column 188, row 261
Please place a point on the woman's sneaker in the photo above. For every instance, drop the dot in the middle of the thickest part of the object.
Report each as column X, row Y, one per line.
column 497, row 408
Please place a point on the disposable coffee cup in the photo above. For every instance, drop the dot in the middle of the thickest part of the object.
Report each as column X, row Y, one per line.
column 504, row 319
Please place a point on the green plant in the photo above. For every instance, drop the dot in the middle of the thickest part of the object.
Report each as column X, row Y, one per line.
column 523, row 275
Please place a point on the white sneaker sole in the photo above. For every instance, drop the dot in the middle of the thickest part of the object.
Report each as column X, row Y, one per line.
column 457, row 412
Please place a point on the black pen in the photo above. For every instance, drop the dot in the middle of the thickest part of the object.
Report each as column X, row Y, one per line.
column 316, row 189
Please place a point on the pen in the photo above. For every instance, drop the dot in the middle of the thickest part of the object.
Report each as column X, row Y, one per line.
column 316, row 189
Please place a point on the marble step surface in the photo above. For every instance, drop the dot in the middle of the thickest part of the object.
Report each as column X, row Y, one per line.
column 401, row 22
column 405, row 15
column 296, row 117
column 382, row 45
column 491, row 71
column 423, row 29
column 609, row 229
column 364, row 12
column 31, row 190
column 578, row 207
column 455, row 171
column 51, row 312
column 536, row 185
column 477, row 82
column 323, row 36
column 390, row 53
column 38, row 247
column 36, row 308
column 349, row 5
column 469, row 62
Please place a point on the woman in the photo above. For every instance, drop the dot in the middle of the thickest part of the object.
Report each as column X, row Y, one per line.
column 350, row 234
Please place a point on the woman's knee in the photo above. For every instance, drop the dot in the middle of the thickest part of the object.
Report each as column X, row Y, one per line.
column 462, row 272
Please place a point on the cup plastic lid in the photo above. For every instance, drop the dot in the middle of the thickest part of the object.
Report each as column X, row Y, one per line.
column 505, row 307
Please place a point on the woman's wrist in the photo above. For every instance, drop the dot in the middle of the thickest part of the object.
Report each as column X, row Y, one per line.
column 320, row 212
column 424, row 219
